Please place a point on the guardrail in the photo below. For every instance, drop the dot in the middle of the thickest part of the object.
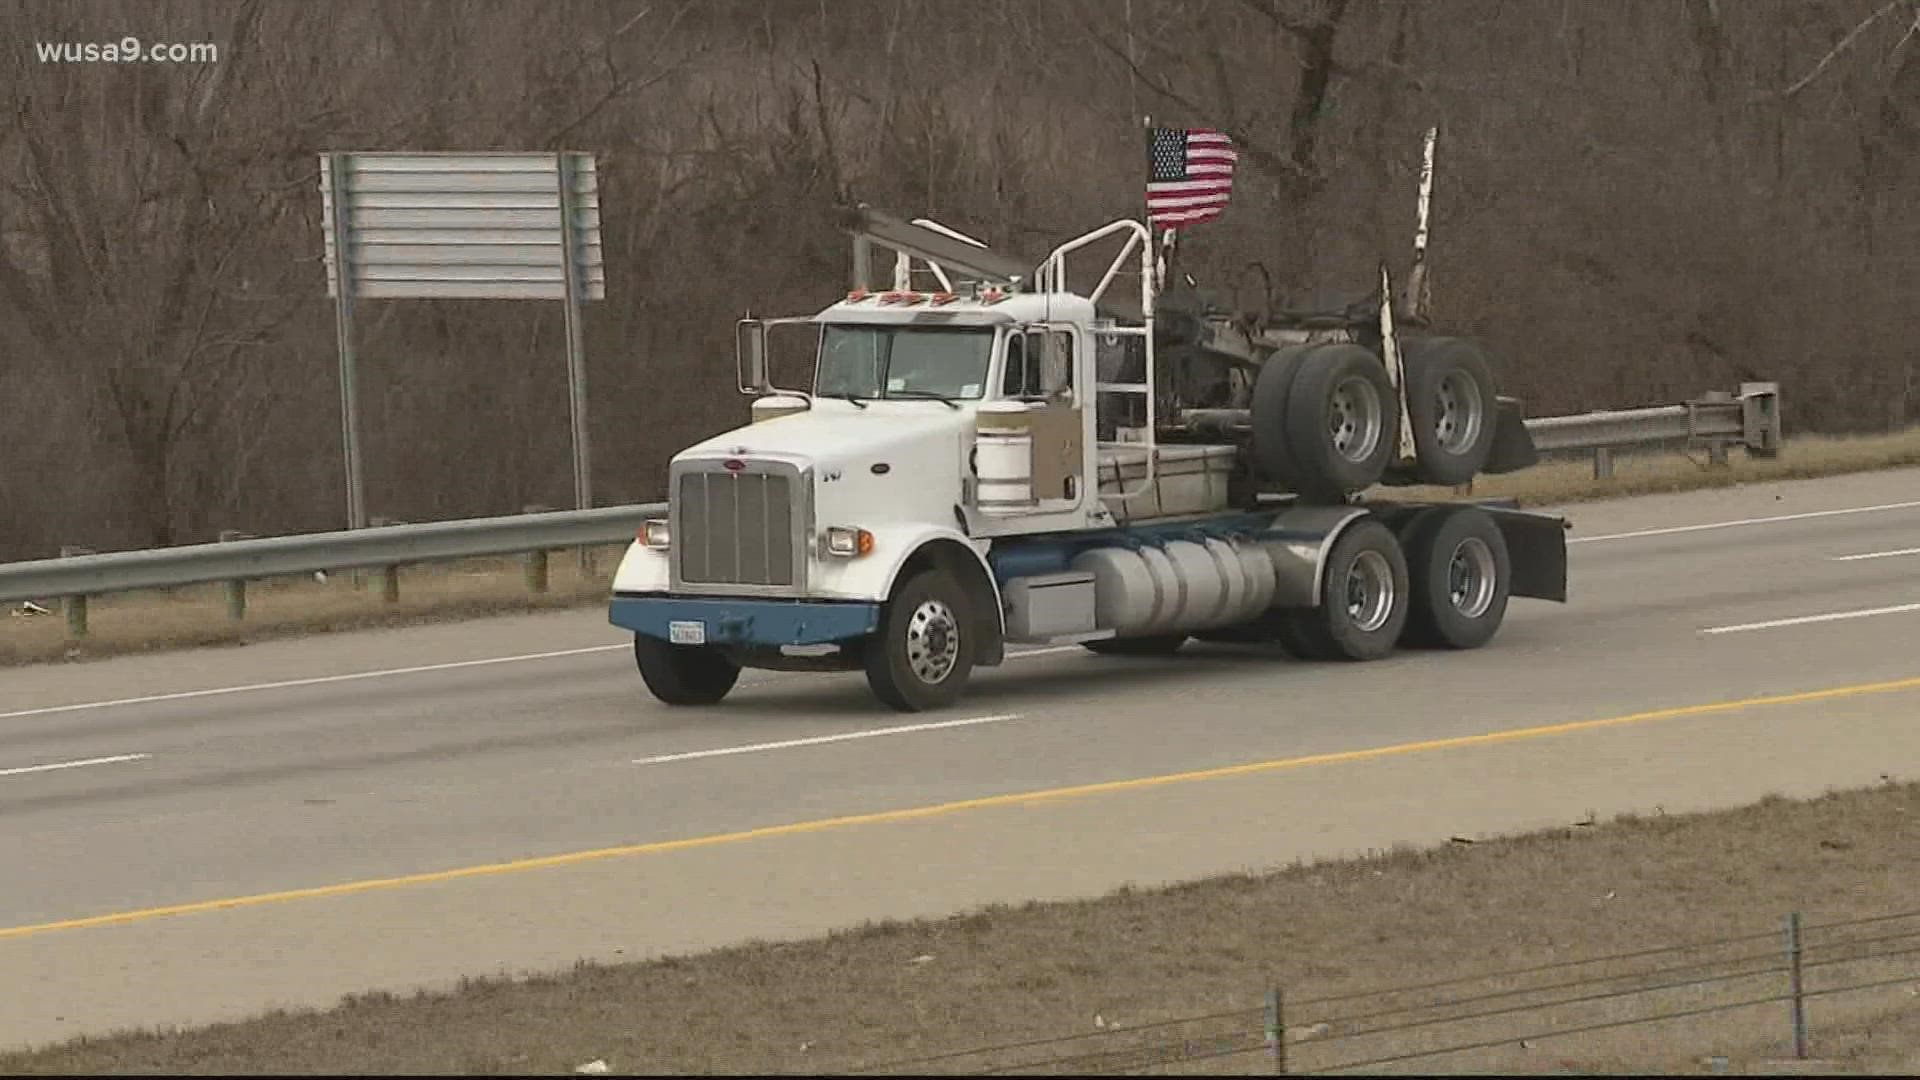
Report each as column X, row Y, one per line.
column 1717, row 419
column 1750, row 417
column 386, row 547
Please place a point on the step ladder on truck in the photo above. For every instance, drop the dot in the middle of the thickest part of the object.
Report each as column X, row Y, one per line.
column 989, row 458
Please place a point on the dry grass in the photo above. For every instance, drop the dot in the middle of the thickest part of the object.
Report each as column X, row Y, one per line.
column 134, row 622
column 878, row 995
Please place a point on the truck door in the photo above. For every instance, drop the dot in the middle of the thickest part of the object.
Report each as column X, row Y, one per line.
column 1040, row 371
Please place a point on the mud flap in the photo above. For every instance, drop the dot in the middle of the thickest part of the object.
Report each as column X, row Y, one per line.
column 1513, row 447
column 1537, row 546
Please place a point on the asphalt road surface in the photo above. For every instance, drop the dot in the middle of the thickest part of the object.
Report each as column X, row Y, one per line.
column 207, row 834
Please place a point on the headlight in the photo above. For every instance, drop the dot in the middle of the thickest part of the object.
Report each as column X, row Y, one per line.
column 847, row 543
column 655, row 534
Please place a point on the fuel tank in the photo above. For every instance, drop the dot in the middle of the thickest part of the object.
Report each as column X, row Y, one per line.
column 1183, row 585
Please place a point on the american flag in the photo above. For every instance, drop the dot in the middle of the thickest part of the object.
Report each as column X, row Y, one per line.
column 1189, row 175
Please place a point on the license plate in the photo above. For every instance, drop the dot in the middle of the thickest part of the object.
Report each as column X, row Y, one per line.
column 687, row 633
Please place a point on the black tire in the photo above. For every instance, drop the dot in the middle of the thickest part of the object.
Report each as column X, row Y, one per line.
column 1292, row 631
column 1461, row 576
column 1342, row 422
column 1272, row 458
column 1365, row 570
column 684, row 674
column 1451, row 405
column 1150, row 645
column 923, row 652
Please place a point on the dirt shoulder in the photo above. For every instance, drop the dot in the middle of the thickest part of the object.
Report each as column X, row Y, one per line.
column 1343, row 942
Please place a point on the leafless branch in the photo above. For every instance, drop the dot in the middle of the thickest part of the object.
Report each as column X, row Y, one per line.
column 1912, row 28
column 1255, row 150
column 1270, row 10
column 1844, row 44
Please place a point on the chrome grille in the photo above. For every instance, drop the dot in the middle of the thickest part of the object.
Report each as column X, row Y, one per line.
column 735, row 528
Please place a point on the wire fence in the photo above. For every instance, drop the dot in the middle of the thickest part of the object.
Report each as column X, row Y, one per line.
column 1501, row 1011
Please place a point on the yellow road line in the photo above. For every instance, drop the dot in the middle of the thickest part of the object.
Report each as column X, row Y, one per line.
column 915, row 813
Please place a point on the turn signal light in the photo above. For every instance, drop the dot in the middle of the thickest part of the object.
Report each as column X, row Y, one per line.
column 848, row 543
column 655, row 534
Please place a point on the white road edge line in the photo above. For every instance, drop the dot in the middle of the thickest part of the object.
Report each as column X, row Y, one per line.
column 317, row 680
column 818, row 740
column 58, row 765
column 1876, row 555
column 1802, row 620
column 1669, row 531
column 320, row 680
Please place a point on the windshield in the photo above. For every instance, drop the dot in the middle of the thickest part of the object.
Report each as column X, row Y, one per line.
column 904, row 361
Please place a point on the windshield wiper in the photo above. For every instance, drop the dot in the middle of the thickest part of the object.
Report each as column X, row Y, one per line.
column 925, row 395
column 846, row 397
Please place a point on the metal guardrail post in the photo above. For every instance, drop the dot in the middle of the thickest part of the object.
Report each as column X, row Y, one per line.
column 390, row 574
column 536, row 561
column 1760, row 418
column 1603, row 463
column 1716, row 400
column 236, row 588
column 75, row 606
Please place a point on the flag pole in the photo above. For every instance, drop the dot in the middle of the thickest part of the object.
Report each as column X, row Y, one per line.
column 1162, row 260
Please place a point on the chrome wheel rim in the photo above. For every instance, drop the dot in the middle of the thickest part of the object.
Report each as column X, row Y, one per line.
column 1470, row 577
column 1459, row 413
column 1355, row 418
column 933, row 641
column 1369, row 591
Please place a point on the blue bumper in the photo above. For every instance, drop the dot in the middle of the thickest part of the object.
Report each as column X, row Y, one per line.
column 744, row 621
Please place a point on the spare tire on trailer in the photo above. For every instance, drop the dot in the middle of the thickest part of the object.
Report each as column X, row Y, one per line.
column 1271, row 456
column 1450, row 402
column 1342, row 422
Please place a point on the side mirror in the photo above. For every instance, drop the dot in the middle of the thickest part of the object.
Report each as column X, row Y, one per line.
column 750, row 355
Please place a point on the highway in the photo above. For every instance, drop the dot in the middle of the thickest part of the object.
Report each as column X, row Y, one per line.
column 205, row 834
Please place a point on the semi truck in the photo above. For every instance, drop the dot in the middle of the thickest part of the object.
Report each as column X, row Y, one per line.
column 989, row 457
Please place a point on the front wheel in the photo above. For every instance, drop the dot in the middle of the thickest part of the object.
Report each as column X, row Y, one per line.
column 684, row 674
column 921, row 656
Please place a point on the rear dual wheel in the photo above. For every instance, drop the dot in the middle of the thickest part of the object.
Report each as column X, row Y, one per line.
column 1461, row 577
column 1364, row 594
